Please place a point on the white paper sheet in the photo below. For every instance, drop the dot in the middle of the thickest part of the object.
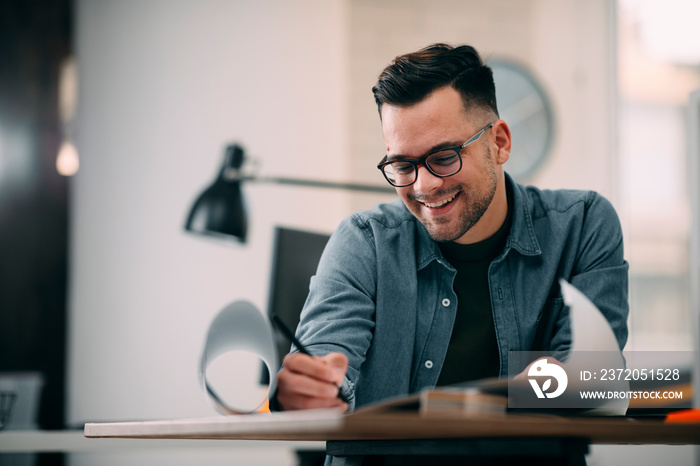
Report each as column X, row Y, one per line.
column 240, row 326
column 591, row 332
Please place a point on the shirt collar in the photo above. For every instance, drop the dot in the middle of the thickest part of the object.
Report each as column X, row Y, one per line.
column 522, row 234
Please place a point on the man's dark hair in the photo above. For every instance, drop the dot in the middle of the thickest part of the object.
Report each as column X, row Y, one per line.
column 411, row 77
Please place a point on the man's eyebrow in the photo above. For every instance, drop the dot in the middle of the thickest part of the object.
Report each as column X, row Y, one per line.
column 445, row 145
column 435, row 148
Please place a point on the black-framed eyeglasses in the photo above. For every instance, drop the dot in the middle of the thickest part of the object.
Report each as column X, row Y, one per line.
column 445, row 162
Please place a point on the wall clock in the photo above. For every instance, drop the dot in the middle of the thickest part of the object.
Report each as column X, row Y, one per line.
column 524, row 105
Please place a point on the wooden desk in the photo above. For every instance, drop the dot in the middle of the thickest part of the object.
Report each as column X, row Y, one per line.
column 331, row 425
column 408, row 433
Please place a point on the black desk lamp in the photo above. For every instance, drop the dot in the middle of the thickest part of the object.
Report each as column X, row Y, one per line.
column 219, row 210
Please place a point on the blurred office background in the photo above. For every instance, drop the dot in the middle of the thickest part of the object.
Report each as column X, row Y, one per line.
column 140, row 98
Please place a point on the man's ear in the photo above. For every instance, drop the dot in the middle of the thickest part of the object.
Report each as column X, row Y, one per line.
column 501, row 138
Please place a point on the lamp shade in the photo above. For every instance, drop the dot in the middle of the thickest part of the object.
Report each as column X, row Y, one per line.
column 219, row 210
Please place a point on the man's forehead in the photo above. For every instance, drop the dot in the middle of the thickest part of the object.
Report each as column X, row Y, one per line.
column 426, row 127
column 431, row 116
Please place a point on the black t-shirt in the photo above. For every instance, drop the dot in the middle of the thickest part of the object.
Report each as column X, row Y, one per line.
column 473, row 351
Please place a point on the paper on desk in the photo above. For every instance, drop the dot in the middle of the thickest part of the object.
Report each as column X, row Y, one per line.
column 240, row 326
column 590, row 331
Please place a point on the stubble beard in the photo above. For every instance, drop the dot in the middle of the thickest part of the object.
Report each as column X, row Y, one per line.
column 474, row 206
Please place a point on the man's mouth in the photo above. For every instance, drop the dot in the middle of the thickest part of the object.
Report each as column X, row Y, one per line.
column 440, row 203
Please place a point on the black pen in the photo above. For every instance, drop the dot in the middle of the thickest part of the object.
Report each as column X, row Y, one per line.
column 279, row 324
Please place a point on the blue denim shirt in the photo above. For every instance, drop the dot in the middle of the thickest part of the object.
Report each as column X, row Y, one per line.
column 383, row 292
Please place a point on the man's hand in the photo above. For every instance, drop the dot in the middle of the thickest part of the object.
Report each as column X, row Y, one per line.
column 311, row 382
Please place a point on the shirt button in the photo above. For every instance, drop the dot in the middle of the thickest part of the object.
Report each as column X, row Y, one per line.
column 446, row 302
column 429, row 364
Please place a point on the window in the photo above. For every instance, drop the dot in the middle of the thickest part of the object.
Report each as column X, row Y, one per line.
column 657, row 70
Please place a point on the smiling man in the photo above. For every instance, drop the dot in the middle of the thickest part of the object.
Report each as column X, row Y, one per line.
column 438, row 287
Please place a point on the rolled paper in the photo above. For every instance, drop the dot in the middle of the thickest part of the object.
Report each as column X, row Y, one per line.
column 239, row 326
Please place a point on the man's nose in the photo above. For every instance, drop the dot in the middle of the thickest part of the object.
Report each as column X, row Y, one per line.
column 426, row 181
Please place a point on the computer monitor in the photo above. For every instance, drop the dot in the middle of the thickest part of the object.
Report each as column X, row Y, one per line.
column 295, row 258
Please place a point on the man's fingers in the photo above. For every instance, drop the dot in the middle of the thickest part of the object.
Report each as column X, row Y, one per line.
column 327, row 368
column 311, row 382
column 301, row 385
column 337, row 360
column 339, row 363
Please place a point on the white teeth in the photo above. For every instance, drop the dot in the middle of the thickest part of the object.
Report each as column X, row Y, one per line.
column 440, row 203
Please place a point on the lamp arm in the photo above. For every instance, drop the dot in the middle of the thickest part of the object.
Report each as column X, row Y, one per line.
column 328, row 184
column 236, row 176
